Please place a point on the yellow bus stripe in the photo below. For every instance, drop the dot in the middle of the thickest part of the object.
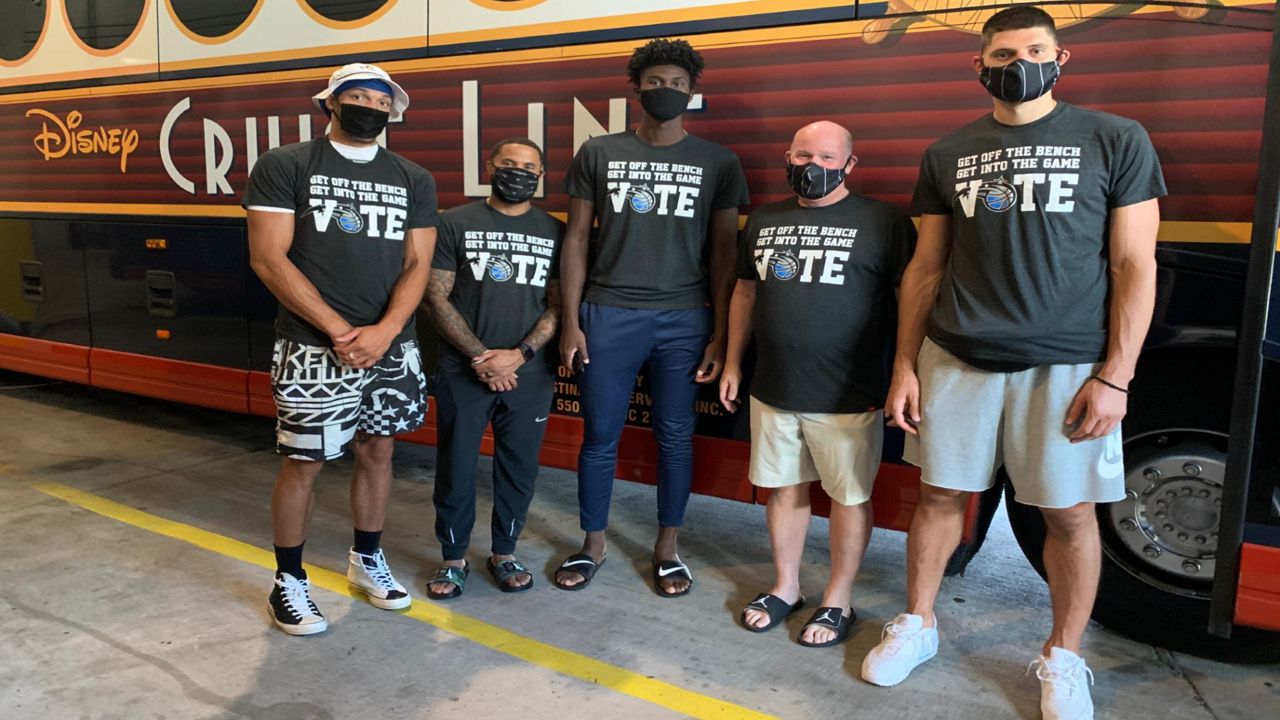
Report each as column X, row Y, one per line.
column 1171, row 231
column 532, row 651
column 231, row 211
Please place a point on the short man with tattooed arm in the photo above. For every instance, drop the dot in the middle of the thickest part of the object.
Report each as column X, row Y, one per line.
column 495, row 301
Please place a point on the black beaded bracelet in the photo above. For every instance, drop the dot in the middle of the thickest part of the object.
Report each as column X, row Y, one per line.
column 1111, row 385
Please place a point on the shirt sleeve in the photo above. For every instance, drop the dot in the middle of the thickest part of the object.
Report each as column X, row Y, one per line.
column 731, row 185
column 424, row 213
column 580, row 181
column 273, row 183
column 1136, row 175
column 746, row 251
column 445, row 257
column 927, row 199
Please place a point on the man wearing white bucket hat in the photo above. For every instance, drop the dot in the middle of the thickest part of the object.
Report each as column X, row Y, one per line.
column 342, row 231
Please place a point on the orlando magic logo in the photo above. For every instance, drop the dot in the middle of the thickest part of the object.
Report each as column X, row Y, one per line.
column 500, row 268
column 784, row 265
column 348, row 219
column 641, row 198
column 996, row 195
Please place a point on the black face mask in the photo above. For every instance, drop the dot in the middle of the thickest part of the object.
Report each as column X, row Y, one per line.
column 664, row 103
column 811, row 181
column 360, row 122
column 514, row 185
column 1020, row 80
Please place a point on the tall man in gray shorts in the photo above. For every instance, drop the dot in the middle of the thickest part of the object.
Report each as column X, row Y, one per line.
column 1022, row 314
column 341, row 231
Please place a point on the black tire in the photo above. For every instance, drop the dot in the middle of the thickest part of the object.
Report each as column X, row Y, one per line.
column 1142, row 612
column 965, row 553
column 1128, row 604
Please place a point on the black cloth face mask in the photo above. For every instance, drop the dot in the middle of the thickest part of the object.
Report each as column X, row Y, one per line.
column 811, row 181
column 1020, row 80
column 514, row 185
column 664, row 103
column 360, row 122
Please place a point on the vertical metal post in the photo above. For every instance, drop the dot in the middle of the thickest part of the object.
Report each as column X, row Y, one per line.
column 1249, row 358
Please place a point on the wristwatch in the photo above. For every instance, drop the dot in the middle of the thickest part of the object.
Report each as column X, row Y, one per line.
column 525, row 351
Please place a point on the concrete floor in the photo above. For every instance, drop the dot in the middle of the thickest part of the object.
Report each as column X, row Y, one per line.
column 104, row 619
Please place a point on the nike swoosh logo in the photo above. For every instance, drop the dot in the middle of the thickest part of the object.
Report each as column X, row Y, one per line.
column 1111, row 462
column 668, row 571
column 578, row 562
column 541, row 419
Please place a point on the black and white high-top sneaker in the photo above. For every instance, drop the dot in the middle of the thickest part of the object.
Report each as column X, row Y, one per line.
column 370, row 575
column 292, row 609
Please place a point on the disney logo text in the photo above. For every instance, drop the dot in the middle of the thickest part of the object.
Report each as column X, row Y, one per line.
column 64, row 137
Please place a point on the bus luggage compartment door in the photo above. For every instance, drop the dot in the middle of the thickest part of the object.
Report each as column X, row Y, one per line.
column 44, row 311
column 168, row 311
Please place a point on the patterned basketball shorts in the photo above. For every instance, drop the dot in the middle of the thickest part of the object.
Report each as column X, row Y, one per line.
column 321, row 402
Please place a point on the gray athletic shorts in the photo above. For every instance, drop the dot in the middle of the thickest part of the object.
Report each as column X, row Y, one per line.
column 321, row 402
column 973, row 421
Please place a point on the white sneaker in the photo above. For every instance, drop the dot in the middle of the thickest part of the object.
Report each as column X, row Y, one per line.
column 370, row 575
column 905, row 644
column 1064, row 685
column 291, row 606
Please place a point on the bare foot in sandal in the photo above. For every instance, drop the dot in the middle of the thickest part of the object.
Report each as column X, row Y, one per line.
column 593, row 546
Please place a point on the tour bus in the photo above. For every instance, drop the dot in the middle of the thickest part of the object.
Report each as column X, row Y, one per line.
column 128, row 129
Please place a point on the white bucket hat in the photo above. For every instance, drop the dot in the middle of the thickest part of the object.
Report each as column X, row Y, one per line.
column 364, row 71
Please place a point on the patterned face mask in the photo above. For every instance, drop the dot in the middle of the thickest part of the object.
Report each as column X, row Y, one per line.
column 811, row 181
column 514, row 185
column 1020, row 80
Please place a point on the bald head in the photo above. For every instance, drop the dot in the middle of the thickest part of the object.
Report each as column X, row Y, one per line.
column 823, row 137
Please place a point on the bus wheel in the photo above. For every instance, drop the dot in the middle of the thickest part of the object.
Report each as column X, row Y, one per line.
column 1158, row 547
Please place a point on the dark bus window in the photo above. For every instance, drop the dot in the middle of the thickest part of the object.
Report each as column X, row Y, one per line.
column 346, row 10
column 23, row 23
column 104, row 24
column 213, row 19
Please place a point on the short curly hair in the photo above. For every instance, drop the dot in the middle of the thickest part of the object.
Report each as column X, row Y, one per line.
column 661, row 51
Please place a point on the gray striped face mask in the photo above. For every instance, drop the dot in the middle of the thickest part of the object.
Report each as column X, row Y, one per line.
column 1020, row 80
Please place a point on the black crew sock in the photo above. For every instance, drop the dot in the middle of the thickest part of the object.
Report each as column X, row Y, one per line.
column 289, row 560
column 367, row 541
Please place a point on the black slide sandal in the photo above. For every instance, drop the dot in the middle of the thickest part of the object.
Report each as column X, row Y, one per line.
column 584, row 565
column 829, row 617
column 507, row 569
column 456, row 576
column 667, row 569
column 775, row 607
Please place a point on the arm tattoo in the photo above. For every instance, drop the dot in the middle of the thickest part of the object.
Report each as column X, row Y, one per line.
column 451, row 326
column 545, row 328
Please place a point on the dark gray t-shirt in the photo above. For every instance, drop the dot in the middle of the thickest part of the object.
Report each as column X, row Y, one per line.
column 1027, row 279
column 654, row 207
column 501, row 265
column 825, row 310
column 350, row 223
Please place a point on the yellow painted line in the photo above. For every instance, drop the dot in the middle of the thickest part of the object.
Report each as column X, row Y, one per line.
column 518, row 646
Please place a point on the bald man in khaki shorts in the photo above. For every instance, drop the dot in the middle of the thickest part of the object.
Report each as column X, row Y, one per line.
column 817, row 276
